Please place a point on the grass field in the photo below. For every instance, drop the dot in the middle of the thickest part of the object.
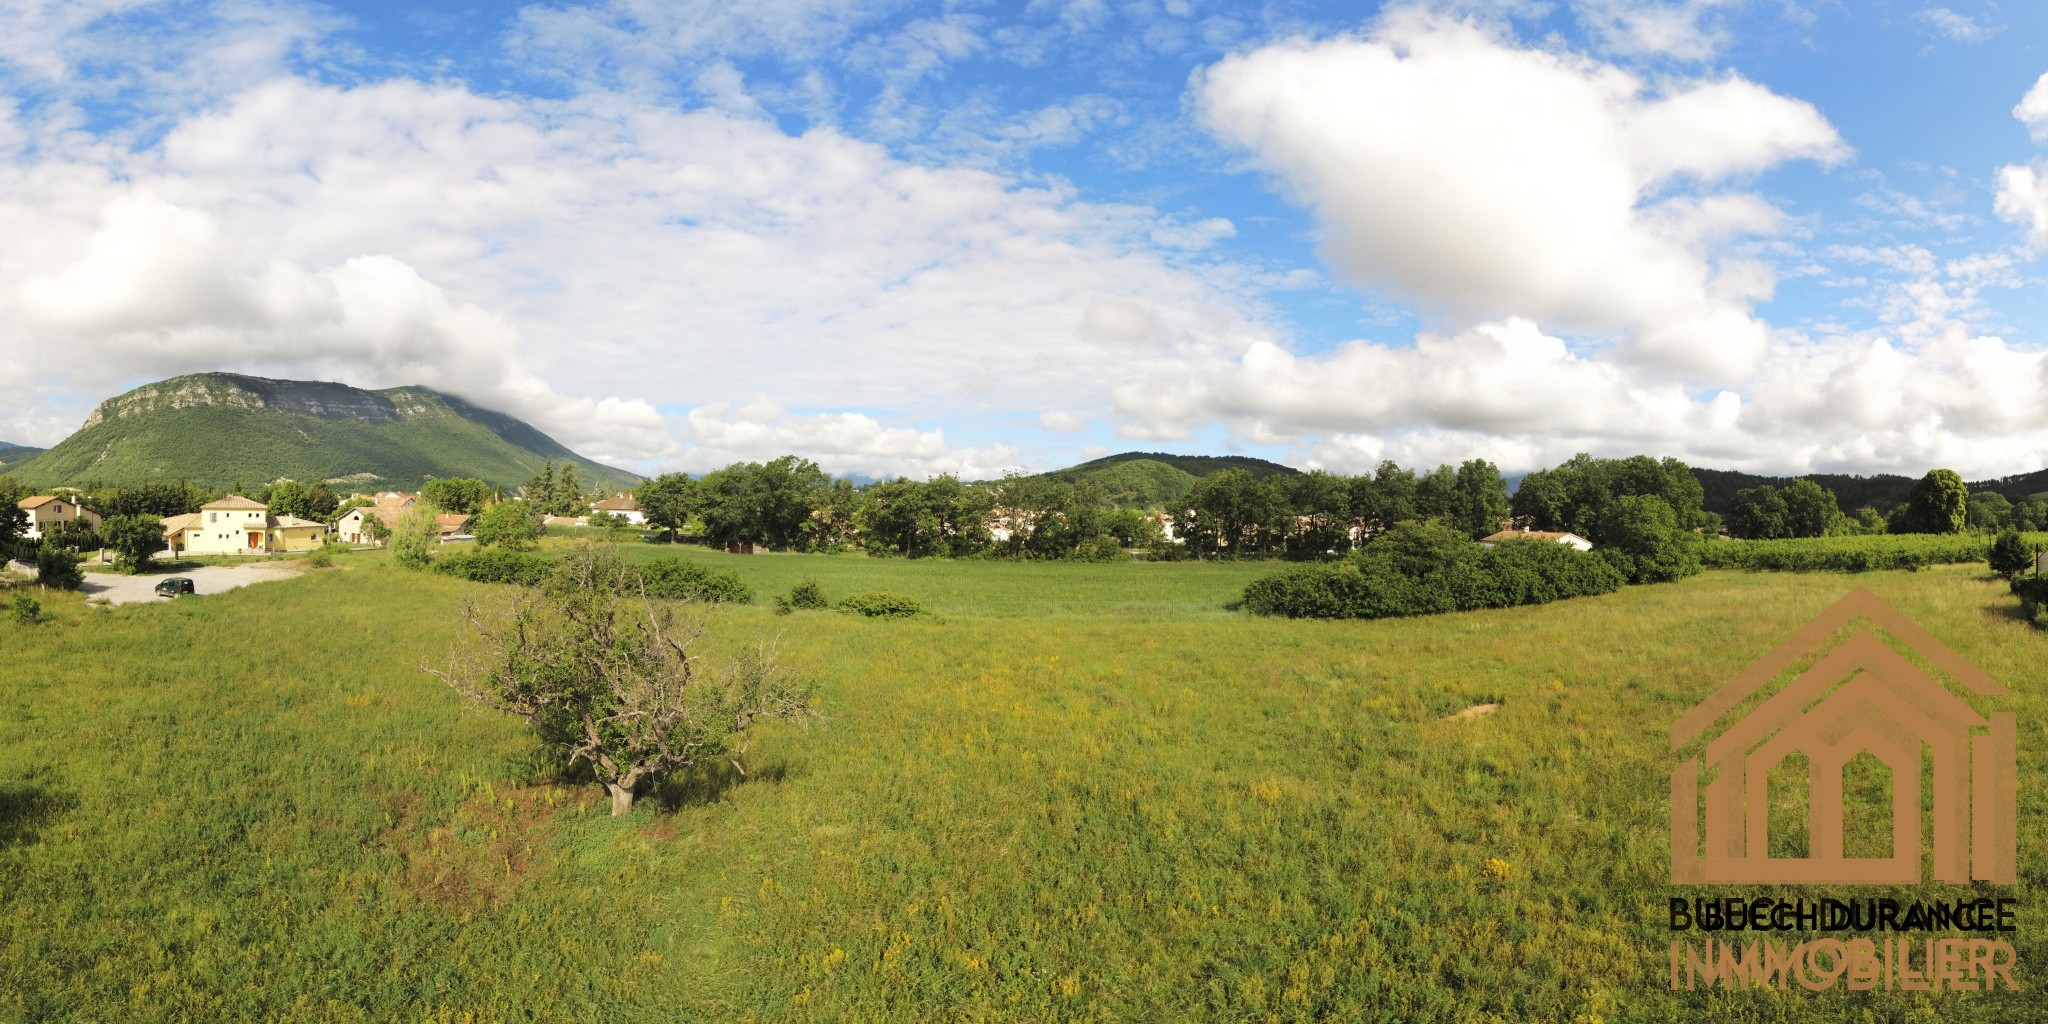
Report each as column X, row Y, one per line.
column 1079, row 793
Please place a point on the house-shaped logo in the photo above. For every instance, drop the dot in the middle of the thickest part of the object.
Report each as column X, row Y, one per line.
column 1862, row 696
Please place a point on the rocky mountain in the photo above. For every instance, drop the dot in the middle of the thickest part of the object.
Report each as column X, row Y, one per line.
column 222, row 429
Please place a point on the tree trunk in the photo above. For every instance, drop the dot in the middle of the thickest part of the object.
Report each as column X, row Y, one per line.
column 622, row 798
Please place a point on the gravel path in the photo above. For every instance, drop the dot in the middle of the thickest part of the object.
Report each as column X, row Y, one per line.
column 207, row 579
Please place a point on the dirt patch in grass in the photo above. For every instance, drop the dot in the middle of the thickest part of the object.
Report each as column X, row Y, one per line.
column 1475, row 711
column 480, row 856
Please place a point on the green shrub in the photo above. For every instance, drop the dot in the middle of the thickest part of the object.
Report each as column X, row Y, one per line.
column 497, row 565
column 1370, row 586
column 57, row 568
column 2033, row 594
column 27, row 610
column 322, row 557
column 2011, row 554
column 880, row 604
column 805, row 595
column 682, row 579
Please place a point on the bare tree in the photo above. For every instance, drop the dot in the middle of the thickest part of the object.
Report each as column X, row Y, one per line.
column 610, row 677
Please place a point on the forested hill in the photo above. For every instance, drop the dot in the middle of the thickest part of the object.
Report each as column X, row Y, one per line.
column 220, row 429
column 1881, row 491
column 1155, row 479
column 11, row 453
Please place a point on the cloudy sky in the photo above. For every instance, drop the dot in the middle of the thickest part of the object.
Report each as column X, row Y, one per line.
column 961, row 237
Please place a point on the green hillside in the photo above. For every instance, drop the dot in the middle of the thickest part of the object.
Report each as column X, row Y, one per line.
column 220, row 429
column 10, row 453
column 1156, row 479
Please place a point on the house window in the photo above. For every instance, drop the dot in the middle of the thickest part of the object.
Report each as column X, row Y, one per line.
column 212, row 517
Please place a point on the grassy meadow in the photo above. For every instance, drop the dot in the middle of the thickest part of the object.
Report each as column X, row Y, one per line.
column 1077, row 793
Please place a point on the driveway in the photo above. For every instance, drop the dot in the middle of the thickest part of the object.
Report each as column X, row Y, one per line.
column 115, row 588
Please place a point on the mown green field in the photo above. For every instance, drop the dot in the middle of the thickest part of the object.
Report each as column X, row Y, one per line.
column 1079, row 793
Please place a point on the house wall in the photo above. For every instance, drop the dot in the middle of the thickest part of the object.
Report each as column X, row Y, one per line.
column 297, row 538
column 226, row 532
column 51, row 513
column 349, row 529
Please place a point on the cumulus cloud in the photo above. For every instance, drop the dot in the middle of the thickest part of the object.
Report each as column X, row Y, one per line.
column 2022, row 189
column 1508, row 392
column 610, row 248
column 842, row 443
column 1485, row 180
column 155, row 291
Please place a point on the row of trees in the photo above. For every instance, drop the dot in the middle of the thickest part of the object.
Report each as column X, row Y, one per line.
column 791, row 503
column 1939, row 502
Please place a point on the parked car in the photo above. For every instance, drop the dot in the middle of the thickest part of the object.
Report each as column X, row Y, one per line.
column 175, row 586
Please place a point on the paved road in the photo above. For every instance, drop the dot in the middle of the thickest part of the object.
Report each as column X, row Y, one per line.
column 207, row 579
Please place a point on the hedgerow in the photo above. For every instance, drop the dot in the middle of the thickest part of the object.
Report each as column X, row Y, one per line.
column 497, row 565
column 1511, row 573
column 1847, row 554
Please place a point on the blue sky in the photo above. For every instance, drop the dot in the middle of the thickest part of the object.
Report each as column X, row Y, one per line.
column 919, row 238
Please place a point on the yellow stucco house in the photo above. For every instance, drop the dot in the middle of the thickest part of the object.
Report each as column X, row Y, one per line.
column 235, row 525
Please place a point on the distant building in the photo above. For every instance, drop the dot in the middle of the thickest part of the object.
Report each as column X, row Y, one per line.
column 454, row 527
column 1569, row 539
column 235, row 525
column 49, row 510
column 352, row 527
column 621, row 505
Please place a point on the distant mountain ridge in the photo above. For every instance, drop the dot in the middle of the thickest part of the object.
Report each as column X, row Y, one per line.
column 221, row 429
column 17, row 452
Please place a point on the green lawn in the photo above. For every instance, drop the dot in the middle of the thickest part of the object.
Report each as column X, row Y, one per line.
column 1079, row 793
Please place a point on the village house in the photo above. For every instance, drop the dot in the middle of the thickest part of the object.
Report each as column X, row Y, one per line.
column 353, row 527
column 46, row 510
column 453, row 527
column 1572, row 540
column 621, row 505
column 236, row 525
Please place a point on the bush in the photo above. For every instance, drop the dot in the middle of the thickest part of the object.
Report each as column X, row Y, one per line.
column 2033, row 594
column 497, row 565
column 682, row 579
column 2010, row 554
column 27, row 610
column 806, row 595
column 1513, row 572
column 322, row 557
column 880, row 604
column 57, row 568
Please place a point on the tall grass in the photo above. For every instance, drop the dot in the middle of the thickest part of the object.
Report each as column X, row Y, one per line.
column 205, row 814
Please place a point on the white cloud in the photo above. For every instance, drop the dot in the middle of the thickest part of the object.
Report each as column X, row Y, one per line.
column 841, row 443
column 155, row 291
column 2022, row 190
column 1686, row 30
column 1488, row 180
column 402, row 232
column 1507, row 392
column 1958, row 27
